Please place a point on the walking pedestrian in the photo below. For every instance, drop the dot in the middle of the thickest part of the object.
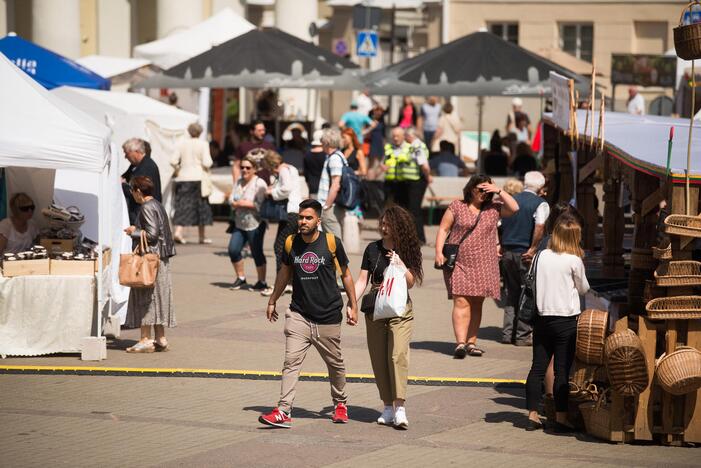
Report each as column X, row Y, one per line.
column 284, row 189
column 333, row 215
column 377, row 135
column 151, row 307
column 397, row 154
column 360, row 123
column 430, row 113
column 249, row 228
column 388, row 339
column 314, row 164
column 560, row 279
column 408, row 114
column 314, row 317
column 416, row 188
column 191, row 162
column 449, row 129
column 472, row 223
column 520, row 236
column 257, row 142
column 137, row 152
column 353, row 152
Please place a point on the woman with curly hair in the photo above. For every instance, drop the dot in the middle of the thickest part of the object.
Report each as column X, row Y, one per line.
column 388, row 339
column 472, row 223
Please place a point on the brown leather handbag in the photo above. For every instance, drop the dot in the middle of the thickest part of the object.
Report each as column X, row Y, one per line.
column 139, row 268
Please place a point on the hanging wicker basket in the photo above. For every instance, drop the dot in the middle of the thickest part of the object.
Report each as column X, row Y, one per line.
column 683, row 225
column 678, row 273
column 626, row 364
column 592, row 326
column 687, row 38
column 678, row 307
column 679, row 372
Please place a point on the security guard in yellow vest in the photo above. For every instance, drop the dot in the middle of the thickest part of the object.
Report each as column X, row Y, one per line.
column 403, row 165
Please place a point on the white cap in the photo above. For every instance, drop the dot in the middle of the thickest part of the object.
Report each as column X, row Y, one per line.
column 316, row 138
column 517, row 101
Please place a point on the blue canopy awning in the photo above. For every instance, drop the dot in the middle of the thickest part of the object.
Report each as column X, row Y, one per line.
column 49, row 69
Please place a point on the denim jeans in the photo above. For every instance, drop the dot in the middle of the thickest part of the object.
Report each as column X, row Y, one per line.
column 239, row 238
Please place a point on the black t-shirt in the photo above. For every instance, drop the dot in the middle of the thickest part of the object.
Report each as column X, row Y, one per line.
column 314, row 291
column 313, row 166
column 147, row 167
column 375, row 261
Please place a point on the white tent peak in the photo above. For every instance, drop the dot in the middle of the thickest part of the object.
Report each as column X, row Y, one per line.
column 109, row 67
column 183, row 45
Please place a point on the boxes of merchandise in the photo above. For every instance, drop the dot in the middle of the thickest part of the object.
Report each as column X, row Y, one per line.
column 58, row 246
column 31, row 262
column 70, row 264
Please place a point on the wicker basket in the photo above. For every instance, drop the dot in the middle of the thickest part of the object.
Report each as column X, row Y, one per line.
column 662, row 253
column 591, row 332
column 683, row 225
column 687, row 39
column 597, row 417
column 679, row 372
column 678, row 307
column 678, row 273
column 584, row 374
column 625, row 363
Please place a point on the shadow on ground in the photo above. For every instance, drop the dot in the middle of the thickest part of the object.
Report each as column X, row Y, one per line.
column 120, row 345
column 355, row 413
column 447, row 348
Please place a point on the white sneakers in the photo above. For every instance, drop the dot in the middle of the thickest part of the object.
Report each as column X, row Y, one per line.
column 400, row 420
column 387, row 416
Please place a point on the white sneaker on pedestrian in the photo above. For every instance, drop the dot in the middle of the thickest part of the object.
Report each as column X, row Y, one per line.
column 267, row 292
column 387, row 416
column 400, row 420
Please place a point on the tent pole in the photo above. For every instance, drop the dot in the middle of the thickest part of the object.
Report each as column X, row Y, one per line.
column 100, row 286
column 480, row 108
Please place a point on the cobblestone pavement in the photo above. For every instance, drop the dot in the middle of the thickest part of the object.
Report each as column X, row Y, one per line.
column 167, row 421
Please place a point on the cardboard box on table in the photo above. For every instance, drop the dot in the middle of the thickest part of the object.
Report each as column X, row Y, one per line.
column 54, row 246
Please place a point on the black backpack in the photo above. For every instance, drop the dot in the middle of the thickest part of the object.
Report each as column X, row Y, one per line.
column 349, row 195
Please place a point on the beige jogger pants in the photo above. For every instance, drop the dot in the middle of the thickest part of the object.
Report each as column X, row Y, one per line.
column 300, row 334
column 388, row 343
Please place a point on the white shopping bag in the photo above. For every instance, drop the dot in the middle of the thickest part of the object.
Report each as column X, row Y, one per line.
column 392, row 296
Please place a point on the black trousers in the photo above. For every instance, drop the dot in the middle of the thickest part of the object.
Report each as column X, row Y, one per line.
column 409, row 195
column 513, row 271
column 284, row 228
column 552, row 336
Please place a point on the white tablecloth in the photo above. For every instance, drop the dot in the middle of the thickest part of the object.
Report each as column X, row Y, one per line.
column 45, row 314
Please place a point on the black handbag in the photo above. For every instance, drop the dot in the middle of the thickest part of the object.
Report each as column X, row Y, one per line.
column 367, row 303
column 273, row 210
column 450, row 251
column 527, row 307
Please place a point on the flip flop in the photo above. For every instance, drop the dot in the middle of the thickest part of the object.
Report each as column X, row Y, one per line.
column 161, row 348
column 474, row 351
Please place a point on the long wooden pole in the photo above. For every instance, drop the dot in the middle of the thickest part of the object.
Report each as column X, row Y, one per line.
column 688, row 146
column 593, row 103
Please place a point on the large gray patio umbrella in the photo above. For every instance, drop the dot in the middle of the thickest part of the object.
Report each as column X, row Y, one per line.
column 479, row 64
column 260, row 59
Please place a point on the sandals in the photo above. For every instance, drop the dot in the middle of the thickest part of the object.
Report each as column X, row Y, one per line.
column 179, row 240
column 205, row 241
column 161, row 347
column 473, row 350
column 460, row 351
column 142, row 347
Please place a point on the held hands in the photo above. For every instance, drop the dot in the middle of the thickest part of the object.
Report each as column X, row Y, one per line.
column 352, row 315
column 271, row 313
column 130, row 230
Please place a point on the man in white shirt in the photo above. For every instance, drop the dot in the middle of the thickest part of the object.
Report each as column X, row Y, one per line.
column 636, row 102
column 417, row 189
column 521, row 234
column 330, row 183
column 365, row 102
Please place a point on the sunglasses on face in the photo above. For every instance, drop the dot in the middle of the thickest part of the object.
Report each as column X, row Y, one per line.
column 27, row 208
column 246, row 168
column 481, row 190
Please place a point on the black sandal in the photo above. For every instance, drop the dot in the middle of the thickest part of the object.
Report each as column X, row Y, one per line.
column 460, row 351
column 474, row 351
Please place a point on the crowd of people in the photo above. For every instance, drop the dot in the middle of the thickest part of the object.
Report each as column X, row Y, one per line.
column 496, row 232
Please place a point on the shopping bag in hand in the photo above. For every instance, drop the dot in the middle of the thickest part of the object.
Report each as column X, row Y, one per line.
column 392, row 296
column 139, row 268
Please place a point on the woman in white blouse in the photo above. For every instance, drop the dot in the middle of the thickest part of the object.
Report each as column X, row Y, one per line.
column 17, row 233
column 191, row 162
column 285, row 188
column 246, row 199
column 560, row 280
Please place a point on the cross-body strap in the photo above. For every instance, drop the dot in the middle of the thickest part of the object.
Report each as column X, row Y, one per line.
column 469, row 231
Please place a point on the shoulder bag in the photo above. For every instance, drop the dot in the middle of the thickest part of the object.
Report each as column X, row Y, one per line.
column 139, row 268
column 367, row 303
column 527, row 306
column 450, row 251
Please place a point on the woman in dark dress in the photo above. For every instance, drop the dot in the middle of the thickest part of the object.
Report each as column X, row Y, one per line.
column 353, row 152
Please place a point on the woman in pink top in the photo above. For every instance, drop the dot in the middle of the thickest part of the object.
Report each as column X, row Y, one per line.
column 407, row 114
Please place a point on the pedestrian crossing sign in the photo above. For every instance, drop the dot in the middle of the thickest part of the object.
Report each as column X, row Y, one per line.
column 366, row 44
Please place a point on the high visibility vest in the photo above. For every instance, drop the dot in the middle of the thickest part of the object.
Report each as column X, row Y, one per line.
column 401, row 167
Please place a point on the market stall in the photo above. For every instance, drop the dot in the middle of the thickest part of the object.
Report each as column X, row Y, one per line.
column 638, row 369
column 43, row 313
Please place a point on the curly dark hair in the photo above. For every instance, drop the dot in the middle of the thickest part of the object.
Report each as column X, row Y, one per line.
column 406, row 241
column 474, row 181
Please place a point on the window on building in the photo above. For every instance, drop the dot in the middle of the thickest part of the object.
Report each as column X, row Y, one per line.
column 507, row 31
column 578, row 40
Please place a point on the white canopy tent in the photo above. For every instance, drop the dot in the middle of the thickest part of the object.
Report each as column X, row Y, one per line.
column 132, row 115
column 40, row 131
column 112, row 66
column 183, row 45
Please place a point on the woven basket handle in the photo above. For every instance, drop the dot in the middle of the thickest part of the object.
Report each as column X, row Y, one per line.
column 688, row 7
column 601, row 399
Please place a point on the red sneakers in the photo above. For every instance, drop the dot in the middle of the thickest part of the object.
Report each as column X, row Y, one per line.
column 340, row 414
column 277, row 418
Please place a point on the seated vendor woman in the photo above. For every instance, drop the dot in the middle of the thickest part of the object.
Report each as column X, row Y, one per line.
column 18, row 232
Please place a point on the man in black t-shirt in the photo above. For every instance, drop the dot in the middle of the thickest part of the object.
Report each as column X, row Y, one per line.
column 311, row 259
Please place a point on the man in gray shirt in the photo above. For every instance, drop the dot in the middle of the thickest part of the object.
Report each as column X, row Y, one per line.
column 430, row 112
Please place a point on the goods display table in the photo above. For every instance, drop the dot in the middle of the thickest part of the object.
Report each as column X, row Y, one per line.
column 45, row 314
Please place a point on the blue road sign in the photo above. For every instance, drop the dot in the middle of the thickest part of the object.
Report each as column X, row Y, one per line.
column 366, row 44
